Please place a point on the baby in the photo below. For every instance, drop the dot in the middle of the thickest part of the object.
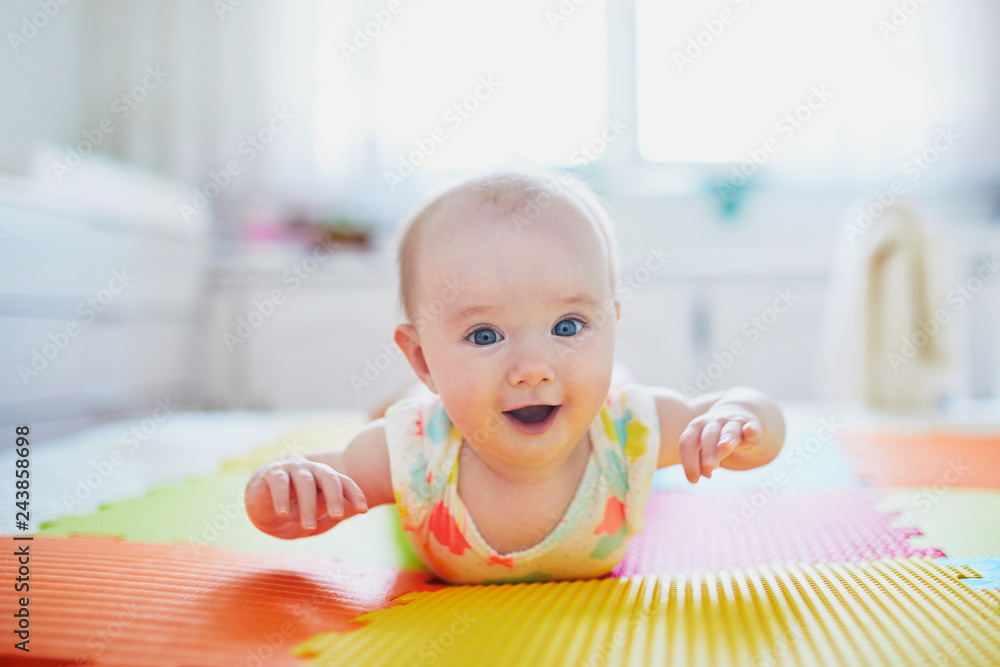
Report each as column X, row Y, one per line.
column 525, row 463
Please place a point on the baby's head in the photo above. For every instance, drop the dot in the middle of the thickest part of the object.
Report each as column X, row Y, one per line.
column 508, row 285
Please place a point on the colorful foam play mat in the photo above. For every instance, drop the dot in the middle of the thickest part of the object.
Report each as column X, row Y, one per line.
column 874, row 548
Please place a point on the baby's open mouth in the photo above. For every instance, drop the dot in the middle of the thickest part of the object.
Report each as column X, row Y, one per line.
column 532, row 414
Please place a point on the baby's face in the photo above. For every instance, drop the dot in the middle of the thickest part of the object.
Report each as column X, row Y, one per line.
column 545, row 334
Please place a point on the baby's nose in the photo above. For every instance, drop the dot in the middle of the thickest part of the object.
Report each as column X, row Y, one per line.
column 532, row 367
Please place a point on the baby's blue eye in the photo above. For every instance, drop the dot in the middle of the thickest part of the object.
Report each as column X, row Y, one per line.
column 485, row 336
column 563, row 328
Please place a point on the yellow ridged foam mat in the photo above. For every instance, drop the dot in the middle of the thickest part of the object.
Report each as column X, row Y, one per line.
column 964, row 523
column 902, row 611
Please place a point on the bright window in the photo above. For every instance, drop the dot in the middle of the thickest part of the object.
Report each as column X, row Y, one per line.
column 827, row 82
column 468, row 85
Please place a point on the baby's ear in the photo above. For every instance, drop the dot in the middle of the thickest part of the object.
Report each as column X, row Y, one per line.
column 409, row 342
column 404, row 335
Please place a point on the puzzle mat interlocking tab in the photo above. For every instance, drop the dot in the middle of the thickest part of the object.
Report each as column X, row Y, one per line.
column 963, row 523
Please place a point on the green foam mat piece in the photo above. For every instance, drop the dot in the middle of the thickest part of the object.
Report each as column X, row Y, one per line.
column 964, row 523
column 209, row 510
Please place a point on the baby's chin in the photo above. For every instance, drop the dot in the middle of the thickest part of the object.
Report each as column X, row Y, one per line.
column 532, row 451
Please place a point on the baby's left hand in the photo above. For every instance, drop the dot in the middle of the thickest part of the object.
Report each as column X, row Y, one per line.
column 713, row 436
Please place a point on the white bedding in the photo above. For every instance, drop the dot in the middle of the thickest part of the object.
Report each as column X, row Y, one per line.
column 75, row 474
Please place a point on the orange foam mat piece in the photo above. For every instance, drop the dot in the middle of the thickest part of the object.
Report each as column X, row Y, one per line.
column 969, row 460
column 102, row 600
column 900, row 611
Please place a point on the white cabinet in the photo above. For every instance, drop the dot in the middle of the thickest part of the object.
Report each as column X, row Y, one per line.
column 708, row 319
column 284, row 336
column 327, row 342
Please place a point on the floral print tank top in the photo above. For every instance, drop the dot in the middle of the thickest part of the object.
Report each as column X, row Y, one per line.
column 605, row 513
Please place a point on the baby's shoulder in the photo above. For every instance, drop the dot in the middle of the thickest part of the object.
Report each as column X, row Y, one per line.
column 420, row 434
column 423, row 448
column 633, row 401
column 630, row 433
column 422, row 420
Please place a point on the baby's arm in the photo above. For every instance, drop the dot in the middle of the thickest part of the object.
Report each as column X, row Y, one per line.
column 299, row 496
column 738, row 429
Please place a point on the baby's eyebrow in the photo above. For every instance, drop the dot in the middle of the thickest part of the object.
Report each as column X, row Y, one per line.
column 585, row 299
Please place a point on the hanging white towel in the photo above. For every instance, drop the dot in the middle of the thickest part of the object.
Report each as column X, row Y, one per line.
column 881, row 343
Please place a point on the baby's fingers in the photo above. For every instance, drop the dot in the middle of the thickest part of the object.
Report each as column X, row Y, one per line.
column 752, row 432
column 335, row 488
column 276, row 480
column 729, row 440
column 731, row 433
column 709, row 440
column 305, row 494
column 329, row 483
column 689, row 449
column 353, row 493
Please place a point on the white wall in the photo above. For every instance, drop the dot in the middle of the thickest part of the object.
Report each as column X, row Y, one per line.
column 43, row 82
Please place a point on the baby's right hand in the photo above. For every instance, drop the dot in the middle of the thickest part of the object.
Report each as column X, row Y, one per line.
column 296, row 490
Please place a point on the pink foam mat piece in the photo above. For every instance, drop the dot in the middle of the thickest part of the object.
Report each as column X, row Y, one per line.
column 688, row 532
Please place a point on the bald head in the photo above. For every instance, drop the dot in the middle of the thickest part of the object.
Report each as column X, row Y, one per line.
column 499, row 211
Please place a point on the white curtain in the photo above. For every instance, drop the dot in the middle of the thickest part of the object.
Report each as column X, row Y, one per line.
column 234, row 86
column 529, row 91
